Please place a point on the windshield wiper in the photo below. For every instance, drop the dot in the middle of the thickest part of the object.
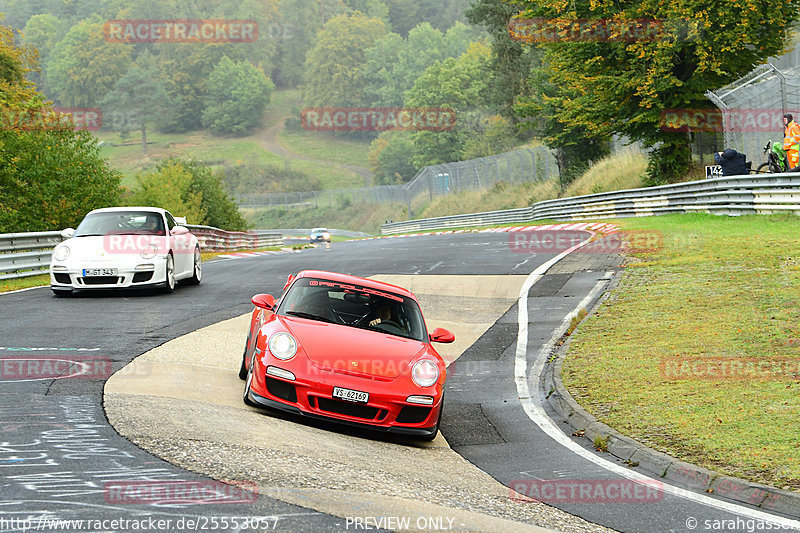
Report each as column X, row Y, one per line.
column 310, row 316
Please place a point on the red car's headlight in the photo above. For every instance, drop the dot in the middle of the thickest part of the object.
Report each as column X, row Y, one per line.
column 425, row 373
column 283, row 346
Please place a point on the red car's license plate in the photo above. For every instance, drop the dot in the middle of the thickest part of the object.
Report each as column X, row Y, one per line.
column 350, row 395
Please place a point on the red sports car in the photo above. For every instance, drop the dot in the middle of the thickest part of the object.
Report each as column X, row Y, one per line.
column 348, row 349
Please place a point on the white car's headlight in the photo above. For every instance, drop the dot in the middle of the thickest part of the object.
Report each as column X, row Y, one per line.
column 283, row 346
column 425, row 373
column 149, row 251
column 61, row 253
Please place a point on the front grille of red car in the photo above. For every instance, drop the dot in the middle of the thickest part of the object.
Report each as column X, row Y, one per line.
column 281, row 389
column 412, row 414
column 350, row 409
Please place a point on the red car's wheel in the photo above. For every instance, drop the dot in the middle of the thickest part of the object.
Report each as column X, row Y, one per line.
column 246, row 396
column 243, row 368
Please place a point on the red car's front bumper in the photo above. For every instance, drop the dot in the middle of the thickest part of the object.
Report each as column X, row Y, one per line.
column 384, row 410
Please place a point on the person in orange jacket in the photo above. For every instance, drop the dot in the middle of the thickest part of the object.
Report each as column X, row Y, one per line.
column 791, row 140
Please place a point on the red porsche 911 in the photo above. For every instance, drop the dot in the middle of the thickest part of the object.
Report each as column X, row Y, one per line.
column 348, row 349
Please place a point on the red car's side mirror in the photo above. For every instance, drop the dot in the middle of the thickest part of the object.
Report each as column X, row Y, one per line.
column 442, row 335
column 289, row 281
column 263, row 301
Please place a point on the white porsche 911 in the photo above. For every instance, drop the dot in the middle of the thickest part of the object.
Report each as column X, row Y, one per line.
column 125, row 247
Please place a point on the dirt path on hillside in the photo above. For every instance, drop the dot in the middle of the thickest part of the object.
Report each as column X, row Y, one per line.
column 268, row 139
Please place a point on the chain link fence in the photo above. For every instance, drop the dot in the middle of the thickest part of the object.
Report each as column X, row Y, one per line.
column 519, row 166
column 753, row 105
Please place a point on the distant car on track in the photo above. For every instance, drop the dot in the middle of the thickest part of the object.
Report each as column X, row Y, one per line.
column 348, row 349
column 319, row 235
column 125, row 247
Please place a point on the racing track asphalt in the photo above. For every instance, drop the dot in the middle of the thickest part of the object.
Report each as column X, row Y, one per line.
column 58, row 450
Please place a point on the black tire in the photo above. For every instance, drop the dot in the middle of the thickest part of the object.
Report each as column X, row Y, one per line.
column 243, row 368
column 763, row 168
column 248, row 380
column 438, row 422
column 197, row 273
column 169, row 274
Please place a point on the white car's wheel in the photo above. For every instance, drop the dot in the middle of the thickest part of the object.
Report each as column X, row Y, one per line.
column 197, row 275
column 169, row 274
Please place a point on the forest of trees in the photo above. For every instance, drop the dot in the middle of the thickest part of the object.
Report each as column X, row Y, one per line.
column 572, row 94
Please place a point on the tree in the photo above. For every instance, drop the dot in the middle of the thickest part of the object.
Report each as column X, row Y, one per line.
column 50, row 175
column 390, row 158
column 335, row 65
column 42, row 32
column 460, row 84
column 618, row 85
column 170, row 187
column 138, row 97
column 237, row 95
column 300, row 21
column 83, row 67
column 371, row 8
column 394, row 64
column 185, row 69
column 520, row 90
column 189, row 189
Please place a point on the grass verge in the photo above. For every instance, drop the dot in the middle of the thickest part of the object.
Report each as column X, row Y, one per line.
column 716, row 291
column 8, row 285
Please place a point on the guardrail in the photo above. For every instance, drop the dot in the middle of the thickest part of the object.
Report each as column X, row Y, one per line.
column 28, row 254
column 217, row 240
column 735, row 195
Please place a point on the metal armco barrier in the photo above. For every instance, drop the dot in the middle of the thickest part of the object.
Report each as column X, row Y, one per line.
column 735, row 195
column 217, row 240
column 28, row 254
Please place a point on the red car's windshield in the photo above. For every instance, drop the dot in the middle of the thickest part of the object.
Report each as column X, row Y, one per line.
column 355, row 306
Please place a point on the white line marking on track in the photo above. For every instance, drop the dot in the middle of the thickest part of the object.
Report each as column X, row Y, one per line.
column 532, row 404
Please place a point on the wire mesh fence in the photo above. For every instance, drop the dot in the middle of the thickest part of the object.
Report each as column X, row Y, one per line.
column 519, row 166
column 752, row 107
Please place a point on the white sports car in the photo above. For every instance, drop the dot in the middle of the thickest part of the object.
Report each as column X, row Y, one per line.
column 121, row 247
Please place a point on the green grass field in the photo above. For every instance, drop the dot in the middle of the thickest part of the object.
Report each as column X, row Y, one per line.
column 322, row 145
column 126, row 154
column 714, row 290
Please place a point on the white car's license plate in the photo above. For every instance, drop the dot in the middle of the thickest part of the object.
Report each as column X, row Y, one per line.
column 350, row 395
column 88, row 272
